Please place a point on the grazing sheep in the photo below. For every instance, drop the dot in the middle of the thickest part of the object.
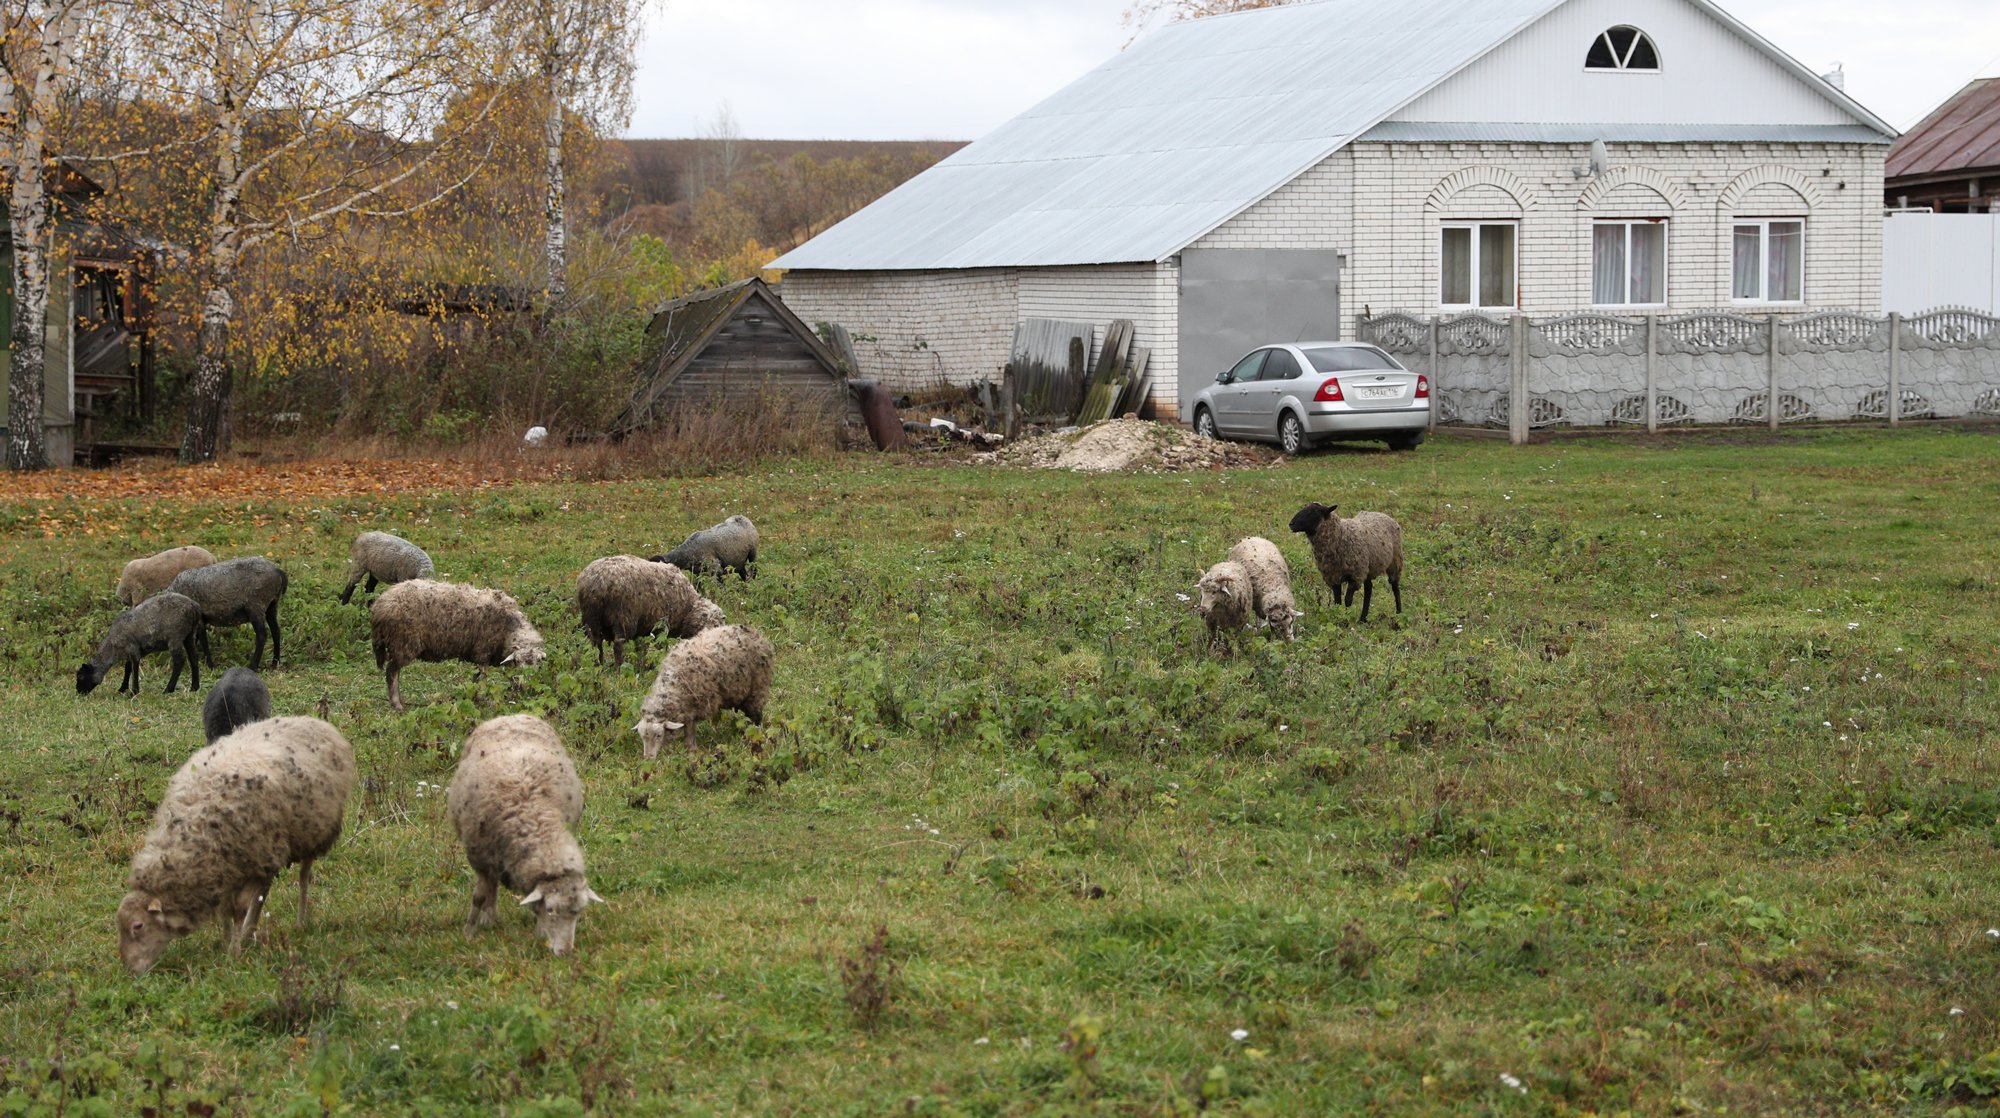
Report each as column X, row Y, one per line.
column 1354, row 552
column 728, row 668
column 237, row 592
column 1227, row 601
column 234, row 816
column 1270, row 583
column 435, row 621
column 385, row 559
column 165, row 622
column 514, row 800
column 237, row 699
column 624, row 597
column 730, row 545
column 143, row 578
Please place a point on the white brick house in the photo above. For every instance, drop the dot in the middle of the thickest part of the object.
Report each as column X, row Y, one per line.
column 1271, row 174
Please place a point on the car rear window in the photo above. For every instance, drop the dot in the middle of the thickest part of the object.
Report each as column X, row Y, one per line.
column 1347, row 359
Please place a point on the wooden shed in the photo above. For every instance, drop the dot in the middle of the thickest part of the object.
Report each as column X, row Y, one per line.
column 734, row 345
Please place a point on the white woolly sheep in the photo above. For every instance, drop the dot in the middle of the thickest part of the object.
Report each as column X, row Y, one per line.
column 1227, row 600
column 383, row 560
column 1270, row 583
column 237, row 592
column 624, row 597
column 143, row 578
column 1354, row 552
column 730, row 545
column 436, row 621
column 234, row 816
column 727, row 668
column 514, row 801
column 165, row 622
column 237, row 699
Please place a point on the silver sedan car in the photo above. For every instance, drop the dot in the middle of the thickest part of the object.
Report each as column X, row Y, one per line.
column 1298, row 395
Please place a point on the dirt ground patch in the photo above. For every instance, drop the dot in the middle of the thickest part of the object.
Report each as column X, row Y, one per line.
column 245, row 480
column 1130, row 444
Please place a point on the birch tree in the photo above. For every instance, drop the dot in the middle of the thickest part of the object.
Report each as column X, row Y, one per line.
column 38, row 47
column 312, row 113
column 579, row 55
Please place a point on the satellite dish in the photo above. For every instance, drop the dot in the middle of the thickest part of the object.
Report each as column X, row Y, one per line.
column 1600, row 157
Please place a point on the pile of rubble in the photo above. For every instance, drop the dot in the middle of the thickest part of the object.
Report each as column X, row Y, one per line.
column 1129, row 444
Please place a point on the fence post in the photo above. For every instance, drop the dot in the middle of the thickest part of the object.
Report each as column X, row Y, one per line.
column 1652, row 390
column 1437, row 392
column 1518, row 402
column 1895, row 368
column 1771, row 373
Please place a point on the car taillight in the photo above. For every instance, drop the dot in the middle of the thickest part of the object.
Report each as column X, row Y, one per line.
column 1423, row 387
column 1329, row 393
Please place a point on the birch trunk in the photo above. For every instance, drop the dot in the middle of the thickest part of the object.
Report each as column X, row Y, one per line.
column 206, row 433
column 28, row 212
column 555, row 248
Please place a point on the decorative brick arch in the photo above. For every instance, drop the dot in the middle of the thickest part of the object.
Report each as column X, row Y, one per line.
column 1604, row 184
column 1769, row 174
column 1467, row 177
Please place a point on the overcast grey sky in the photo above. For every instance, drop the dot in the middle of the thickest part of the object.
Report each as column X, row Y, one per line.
column 955, row 69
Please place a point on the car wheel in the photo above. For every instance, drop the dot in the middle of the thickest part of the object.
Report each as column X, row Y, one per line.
column 1406, row 442
column 1291, row 434
column 1204, row 423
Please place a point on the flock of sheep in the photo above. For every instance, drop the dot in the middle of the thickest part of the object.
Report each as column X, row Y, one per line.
column 266, row 793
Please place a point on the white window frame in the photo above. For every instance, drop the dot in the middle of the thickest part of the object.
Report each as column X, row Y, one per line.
column 1475, row 225
column 1763, row 225
column 1666, row 260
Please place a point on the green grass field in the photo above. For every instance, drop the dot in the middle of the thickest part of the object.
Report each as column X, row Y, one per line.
column 1672, row 791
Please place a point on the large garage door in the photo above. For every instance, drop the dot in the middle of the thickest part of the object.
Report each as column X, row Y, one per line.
column 1233, row 300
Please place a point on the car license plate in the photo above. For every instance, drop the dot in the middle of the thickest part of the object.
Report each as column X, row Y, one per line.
column 1379, row 392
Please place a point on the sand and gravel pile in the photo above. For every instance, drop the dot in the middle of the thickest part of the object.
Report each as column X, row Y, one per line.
column 1129, row 444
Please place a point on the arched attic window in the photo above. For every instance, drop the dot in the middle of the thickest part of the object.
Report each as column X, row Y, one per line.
column 1624, row 47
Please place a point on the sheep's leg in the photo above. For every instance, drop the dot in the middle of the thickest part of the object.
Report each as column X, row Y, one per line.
column 370, row 588
column 129, row 680
column 347, row 595
column 201, row 636
column 250, row 903
column 174, row 677
column 1367, row 596
column 617, row 652
column 1396, row 588
column 194, row 662
column 690, row 735
column 277, row 638
column 305, row 894
column 599, row 643
column 484, row 890
column 257, row 654
column 395, row 692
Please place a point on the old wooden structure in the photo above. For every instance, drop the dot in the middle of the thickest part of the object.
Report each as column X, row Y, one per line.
column 734, row 346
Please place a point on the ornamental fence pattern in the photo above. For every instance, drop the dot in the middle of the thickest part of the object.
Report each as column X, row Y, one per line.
column 1709, row 367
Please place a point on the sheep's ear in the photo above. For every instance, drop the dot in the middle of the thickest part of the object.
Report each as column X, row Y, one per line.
column 509, row 658
column 590, row 897
column 531, row 898
column 155, row 906
column 674, row 725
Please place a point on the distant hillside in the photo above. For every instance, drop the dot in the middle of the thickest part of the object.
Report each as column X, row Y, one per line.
column 662, row 172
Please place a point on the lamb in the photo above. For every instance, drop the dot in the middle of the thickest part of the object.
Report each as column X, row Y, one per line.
column 384, row 559
column 1227, row 601
column 514, row 800
column 730, row 545
column 234, row 816
column 728, row 668
column 435, row 621
column 165, row 622
column 1354, row 552
column 143, row 578
column 1270, row 583
column 237, row 592
column 624, row 597
column 237, row 699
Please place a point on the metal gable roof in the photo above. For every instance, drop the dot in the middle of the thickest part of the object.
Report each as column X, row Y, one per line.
column 1960, row 135
column 1191, row 125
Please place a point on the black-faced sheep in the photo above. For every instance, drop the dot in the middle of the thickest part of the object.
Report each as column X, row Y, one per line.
column 234, row 816
column 1226, row 601
column 237, row 592
column 1270, row 583
column 143, row 578
column 624, row 597
column 436, row 621
column 385, row 560
column 165, row 622
column 237, row 699
column 514, row 800
column 728, row 668
column 1354, row 552
column 730, row 545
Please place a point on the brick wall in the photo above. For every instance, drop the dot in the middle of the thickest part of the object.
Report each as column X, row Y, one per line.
column 1148, row 294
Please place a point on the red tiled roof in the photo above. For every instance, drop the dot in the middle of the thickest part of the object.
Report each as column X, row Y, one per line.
column 1961, row 134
